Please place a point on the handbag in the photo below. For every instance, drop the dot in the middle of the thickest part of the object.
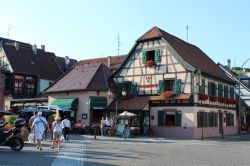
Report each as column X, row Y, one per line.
column 31, row 137
column 62, row 139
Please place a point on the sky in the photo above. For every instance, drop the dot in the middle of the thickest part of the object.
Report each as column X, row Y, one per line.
column 84, row 29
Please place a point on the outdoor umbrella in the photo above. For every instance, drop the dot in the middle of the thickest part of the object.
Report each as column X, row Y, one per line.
column 56, row 107
column 2, row 112
column 126, row 114
column 33, row 109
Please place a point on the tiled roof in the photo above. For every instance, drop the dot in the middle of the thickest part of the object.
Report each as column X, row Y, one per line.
column 188, row 52
column 83, row 77
column 24, row 61
column 135, row 103
column 115, row 62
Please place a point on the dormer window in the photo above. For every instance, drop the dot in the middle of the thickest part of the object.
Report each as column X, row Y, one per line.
column 151, row 57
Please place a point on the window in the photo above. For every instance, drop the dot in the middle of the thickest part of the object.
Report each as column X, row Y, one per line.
column 30, row 86
column 151, row 55
column 129, row 87
column 173, row 85
column 18, row 85
column 202, row 87
column 207, row 119
column 211, row 89
column 231, row 93
column 220, row 90
column 169, row 118
column 226, row 91
column 229, row 119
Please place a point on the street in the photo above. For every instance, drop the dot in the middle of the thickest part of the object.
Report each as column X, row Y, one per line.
column 107, row 151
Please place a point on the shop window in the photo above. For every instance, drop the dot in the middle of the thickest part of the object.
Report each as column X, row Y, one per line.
column 229, row 119
column 169, row 118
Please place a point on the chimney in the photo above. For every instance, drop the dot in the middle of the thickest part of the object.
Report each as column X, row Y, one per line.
column 109, row 61
column 67, row 60
column 17, row 46
column 35, row 49
column 43, row 47
column 229, row 63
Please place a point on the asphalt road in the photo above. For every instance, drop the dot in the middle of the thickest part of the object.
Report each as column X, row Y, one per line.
column 109, row 151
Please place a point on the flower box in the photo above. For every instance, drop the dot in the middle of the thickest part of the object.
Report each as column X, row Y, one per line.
column 149, row 63
column 203, row 97
column 213, row 98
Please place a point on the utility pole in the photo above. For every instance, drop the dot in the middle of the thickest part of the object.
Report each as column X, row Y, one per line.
column 8, row 31
column 118, row 44
column 187, row 32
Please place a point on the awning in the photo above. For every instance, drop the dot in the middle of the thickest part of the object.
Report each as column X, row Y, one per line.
column 134, row 103
column 97, row 102
column 69, row 103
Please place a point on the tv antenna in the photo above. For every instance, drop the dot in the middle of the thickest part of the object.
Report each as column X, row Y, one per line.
column 9, row 27
column 187, row 32
column 118, row 44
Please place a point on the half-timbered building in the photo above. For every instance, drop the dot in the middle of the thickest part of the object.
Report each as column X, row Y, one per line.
column 175, row 88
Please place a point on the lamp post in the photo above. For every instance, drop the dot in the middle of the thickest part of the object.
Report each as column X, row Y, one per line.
column 110, row 94
column 239, row 104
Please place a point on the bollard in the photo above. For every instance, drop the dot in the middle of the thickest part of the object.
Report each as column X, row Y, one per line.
column 222, row 133
column 202, row 134
column 95, row 132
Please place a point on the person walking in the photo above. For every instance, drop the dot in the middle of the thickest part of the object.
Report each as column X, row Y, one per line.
column 31, row 120
column 39, row 124
column 102, row 126
column 57, row 132
column 66, row 126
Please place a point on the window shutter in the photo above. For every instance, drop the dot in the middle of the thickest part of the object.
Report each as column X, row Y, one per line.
column 209, row 89
column 216, row 120
column 120, row 87
column 178, row 118
column 220, row 91
column 226, row 91
column 202, row 87
column 198, row 119
column 157, row 55
column 161, row 87
column 227, row 119
column 177, row 86
column 206, row 119
column 231, row 93
column 144, row 57
column 134, row 88
column 210, row 114
column 215, row 86
column 232, row 119
column 160, row 118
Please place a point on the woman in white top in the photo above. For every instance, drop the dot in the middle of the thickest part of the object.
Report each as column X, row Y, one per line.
column 57, row 132
column 39, row 125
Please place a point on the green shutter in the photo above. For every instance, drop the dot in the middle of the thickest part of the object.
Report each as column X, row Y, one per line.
column 202, row 87
column 157, row 55
column 120, row 87
column 206, row 119
column 160, row 118
column 226, row 91
column 210, row 115
column 209, row 89
column 216, row 119
column 232, row 119
column 231, row 93
column 227, row 119
column 144, row 57
column 134, row 88
column 220, row 90
column 161, row 87
column 177, row 86
column 178, row 118
column 198, row 119
column 215, row 86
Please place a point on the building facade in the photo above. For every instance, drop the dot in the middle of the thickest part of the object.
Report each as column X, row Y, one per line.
column 189, row 95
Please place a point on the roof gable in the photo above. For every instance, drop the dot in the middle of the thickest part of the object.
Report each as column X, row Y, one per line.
column 24, row 61
column 151, row 34
column 82, row 77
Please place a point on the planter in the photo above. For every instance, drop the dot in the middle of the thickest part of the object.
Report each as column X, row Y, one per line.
column 203, row 97
column 149, row 63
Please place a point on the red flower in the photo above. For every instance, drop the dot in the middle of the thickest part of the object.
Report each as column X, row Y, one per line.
column 213, row 98
column 203, row 96
column 149, row 63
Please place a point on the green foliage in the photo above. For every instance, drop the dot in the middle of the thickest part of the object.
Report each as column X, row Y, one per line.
column 10, row 118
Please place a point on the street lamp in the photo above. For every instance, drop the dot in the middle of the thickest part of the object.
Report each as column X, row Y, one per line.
column 110, row 94
column 239, row 104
